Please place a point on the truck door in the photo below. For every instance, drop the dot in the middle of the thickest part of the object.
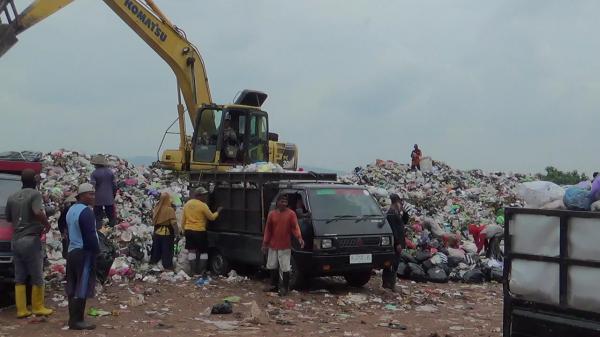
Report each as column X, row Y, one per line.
column 297, row 202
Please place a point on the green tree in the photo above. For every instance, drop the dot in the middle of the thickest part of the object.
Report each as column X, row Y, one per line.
column 562, row 178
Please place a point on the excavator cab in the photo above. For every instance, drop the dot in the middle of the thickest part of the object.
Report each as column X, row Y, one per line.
column 226, row 136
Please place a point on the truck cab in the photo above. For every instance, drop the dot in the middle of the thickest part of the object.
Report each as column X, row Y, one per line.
column 345, row 232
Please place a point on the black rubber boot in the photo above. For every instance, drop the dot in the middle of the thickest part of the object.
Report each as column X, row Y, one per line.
column 78, row 316
column 284, row 286
column 197, row 265
column 274, row 279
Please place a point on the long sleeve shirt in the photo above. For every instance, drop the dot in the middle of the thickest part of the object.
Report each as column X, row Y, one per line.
column 196, row 215
column 104, row 182
column 280, row 227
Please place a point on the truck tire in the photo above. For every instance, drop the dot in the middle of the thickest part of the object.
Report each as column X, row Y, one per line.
column 219, row 264
column 297, row 277
column 358, row 279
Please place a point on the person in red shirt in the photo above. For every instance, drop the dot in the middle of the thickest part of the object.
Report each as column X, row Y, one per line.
column 415, row 157
column 281, row 224
column 487, row 238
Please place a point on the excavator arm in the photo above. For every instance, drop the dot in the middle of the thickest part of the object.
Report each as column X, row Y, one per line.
column 149, row 23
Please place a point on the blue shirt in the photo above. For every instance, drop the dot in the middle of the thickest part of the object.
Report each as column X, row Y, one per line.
column 103, row 180
column 82, row 228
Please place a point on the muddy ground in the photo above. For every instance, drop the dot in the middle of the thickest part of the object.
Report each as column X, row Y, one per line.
column 328, row 307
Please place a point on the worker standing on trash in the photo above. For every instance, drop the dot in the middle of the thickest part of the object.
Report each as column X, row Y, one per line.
column 487, row 238
column 81, row 260
column 415, row 157
column 281, row 224
column 196, row 215
column 165, row 231
column 105, row 185
column 397, row 218
column 24, row 209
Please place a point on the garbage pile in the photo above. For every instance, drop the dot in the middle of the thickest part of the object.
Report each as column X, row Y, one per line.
column 442, row 202
column 138, row 190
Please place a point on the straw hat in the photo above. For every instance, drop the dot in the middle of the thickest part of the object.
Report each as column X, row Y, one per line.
column 99, row 160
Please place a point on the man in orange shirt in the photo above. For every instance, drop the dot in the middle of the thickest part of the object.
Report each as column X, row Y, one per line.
column 281, row 224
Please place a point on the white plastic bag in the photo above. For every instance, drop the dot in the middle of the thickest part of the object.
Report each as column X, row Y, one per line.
column 539, row 193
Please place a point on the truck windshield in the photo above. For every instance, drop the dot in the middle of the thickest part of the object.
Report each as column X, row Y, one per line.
column 329, row 203
column 7, row 187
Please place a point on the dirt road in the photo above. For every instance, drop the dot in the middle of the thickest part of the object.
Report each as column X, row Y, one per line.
column 328, row 308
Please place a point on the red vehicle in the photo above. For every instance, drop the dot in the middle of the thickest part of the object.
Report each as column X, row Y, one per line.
column 10, row 182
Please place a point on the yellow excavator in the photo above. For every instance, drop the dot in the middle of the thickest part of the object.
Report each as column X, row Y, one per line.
column 224, row 135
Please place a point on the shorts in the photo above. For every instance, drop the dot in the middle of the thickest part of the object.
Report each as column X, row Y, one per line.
column 28, row 260
column 279, row 258
column 196, row 240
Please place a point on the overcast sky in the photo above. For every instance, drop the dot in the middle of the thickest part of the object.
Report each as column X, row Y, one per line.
column 506, row 85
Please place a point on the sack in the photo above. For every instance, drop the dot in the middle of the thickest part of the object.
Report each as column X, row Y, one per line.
column 474, row 276
column 422, row 256
column 497, row 275
column 437, row 275
column 417, row 273
column 406, row 257
column 136, row 251
column 453, row 261
column 577, row 199
column 402, row 270
column 427, row 264
column 105, row 259
column 538, row 193
column 595, row 206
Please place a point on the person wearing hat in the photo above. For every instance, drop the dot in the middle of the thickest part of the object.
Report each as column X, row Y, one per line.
column 104, row 182
column 62, row 224
column 196, row 215
column 81, row 259
column 397, row 218
column 165, row 231
column 25, row 211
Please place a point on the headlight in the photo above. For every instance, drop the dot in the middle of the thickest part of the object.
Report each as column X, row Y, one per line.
column 326, row 244
column 386, row 241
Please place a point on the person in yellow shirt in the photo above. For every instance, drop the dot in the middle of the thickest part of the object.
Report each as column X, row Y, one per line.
column 196, row 215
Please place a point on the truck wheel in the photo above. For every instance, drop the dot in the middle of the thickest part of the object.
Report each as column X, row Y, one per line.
column 358, row 279
column 297, row 277
column 219, row 264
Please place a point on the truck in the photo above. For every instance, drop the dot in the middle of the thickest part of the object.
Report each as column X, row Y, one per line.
column 551, row 273
column 345, row 232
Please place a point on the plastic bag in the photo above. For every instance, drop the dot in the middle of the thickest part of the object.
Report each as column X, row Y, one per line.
column 402, row 270
column 474, row 276
column 437, row 275
column 417, row 273
column 577, row 199
column 538, row 193
column 595, row 206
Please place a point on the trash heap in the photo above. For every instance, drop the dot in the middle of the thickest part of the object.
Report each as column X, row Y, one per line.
column 442, row 202
column 138, row 190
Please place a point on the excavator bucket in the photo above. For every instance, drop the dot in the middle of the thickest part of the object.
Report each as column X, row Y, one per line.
column 8, row 38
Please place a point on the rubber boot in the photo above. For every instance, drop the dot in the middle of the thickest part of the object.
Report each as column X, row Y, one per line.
column 202, row 264
column 284, row 286
column 21, row 301
column 274, row 279
column 37, row 301
column 78, row 312
column 196, row 265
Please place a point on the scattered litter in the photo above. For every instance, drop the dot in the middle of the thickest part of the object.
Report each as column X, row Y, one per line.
column 222, row 308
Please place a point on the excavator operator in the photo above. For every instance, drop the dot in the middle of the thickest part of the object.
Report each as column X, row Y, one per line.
column 230, row 141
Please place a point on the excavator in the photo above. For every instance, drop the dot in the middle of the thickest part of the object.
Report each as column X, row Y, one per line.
column 223, row 135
